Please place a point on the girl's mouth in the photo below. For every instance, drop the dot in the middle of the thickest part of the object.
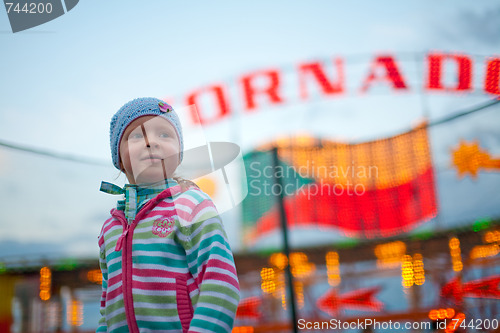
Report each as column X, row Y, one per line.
column 153, row 158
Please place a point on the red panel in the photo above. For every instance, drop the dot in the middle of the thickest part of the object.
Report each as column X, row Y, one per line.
column 375, row 213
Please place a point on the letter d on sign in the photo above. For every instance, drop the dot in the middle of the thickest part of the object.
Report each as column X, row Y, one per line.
column 26, row 14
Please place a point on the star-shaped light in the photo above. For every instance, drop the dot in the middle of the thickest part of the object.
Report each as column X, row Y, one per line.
column 469, row 157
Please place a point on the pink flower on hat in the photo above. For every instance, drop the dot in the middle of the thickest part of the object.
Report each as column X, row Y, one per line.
column 164, row 107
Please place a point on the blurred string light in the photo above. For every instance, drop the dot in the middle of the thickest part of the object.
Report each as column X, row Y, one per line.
column 407, row 271
column 298, row 287
column 45, row 283
column 492, row 236
column 483, row 251
column 301, row 268
column 268, row 277
column 279, row 260
column 86, row 160
column 333, row 268
column 440, row 314
column 418, row 269
column 412, row 270
column 281, row 290
column 456, row 255
column 300, row 265
column 272, row 278
column 389, row 254
column 95, row 276
column 455, row 323
column 74, row 313
column 490, row 249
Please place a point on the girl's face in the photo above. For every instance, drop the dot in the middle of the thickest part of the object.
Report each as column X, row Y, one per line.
column 149, row 150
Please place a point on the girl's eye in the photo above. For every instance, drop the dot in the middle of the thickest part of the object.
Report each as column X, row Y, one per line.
column 135, row 136
column 164, row 135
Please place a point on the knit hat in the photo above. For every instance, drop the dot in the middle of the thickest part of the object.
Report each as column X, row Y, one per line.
column 134, row 109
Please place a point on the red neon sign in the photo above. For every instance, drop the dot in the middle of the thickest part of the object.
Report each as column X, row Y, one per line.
column 392, row 74
column 263, row 88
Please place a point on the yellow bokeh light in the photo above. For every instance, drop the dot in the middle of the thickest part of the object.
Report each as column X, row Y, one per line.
column 469, row 158
column 454, row 243
column 45, row 283
column 333, row 268
column 412, row 270
column 418, row 269
column 278, row 260
column 492, row 237
column 457, row 267
column 268, row 284
column 95, row 276
column 456, row 257
column 74, row 314
column 483, row 251
column 389, row 254
column 207, row 185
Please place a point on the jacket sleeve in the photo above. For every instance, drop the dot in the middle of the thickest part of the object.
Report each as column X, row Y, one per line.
column 104, row 270
column 211, row 263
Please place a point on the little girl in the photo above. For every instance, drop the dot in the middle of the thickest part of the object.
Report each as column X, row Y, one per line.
column 165, row 260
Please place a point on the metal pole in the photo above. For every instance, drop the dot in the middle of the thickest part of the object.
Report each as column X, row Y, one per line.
column 286, row 250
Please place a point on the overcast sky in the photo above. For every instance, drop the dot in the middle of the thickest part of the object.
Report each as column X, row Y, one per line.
column 62, row 81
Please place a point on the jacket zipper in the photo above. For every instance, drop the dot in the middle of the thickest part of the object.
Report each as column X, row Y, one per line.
column 128, row 301
column 124, row 243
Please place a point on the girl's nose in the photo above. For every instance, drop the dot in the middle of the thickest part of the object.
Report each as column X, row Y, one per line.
column 152, row 143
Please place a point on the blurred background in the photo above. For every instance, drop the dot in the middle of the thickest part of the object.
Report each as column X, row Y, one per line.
column 369, row 134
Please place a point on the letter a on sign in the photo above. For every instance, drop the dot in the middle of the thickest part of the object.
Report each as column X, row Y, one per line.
column 392, row 74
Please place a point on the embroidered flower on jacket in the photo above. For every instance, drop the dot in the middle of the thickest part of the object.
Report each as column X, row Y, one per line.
column 163, row 227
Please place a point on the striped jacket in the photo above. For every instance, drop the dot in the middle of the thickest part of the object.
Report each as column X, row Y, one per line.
column 170, row 270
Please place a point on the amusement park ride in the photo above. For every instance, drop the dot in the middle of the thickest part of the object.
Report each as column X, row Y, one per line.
column 383, row 269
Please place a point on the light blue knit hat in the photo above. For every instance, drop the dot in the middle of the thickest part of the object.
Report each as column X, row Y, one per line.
column 134, row 109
